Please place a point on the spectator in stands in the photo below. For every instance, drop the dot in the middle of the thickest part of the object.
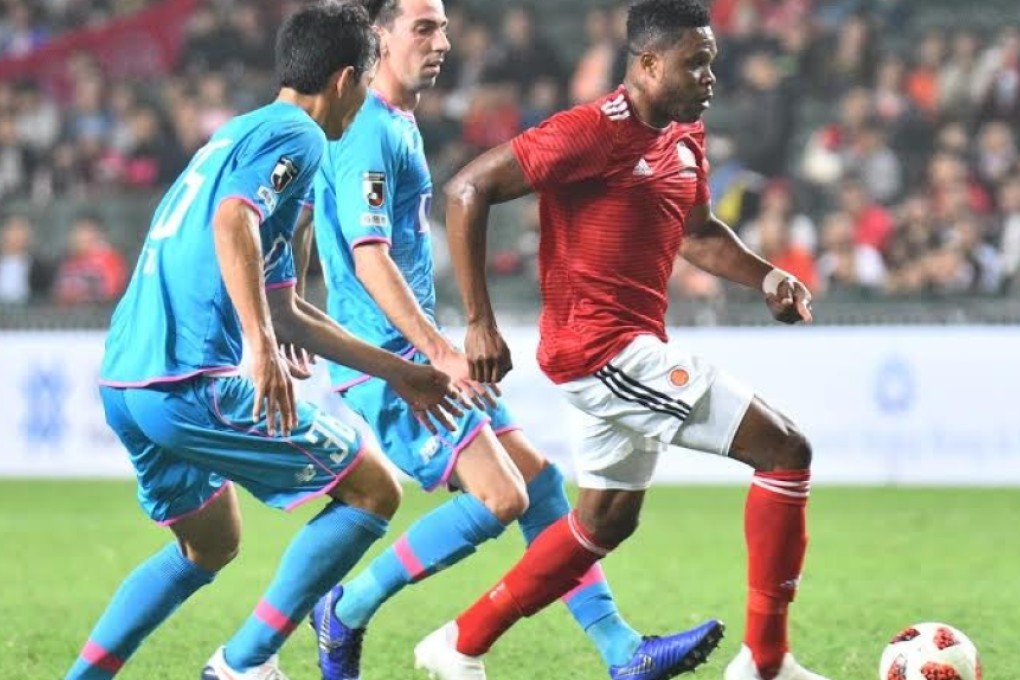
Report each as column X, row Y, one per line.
column 16, row 162
column 93, row 271
column 21, row 30
column 957, row 78
column 823, row 161
column 996, row 153
column 521, row 56
column 1009, row 232
column 997, row 87
column 870, row 158
column 777, row 202
column 37, row 119
column 22, row 274
column 845, row 266
column 873, row 224
column 922, row 83
column 765, row 116
column 777, row 246
column 591, row 78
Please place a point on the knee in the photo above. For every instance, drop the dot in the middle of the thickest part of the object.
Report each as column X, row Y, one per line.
column 793, row 453
column 381, row 495
column 507, row 500
column 610, row 526
column 213, row 555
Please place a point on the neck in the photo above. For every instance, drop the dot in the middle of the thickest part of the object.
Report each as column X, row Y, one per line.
column 643, row 109
column 391, row 89
column 312, row 104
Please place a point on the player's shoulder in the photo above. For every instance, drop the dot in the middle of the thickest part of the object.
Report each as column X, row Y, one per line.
column 377, row 125
column 695, row 131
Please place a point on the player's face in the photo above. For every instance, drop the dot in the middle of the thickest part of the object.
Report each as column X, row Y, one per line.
column 682, row 87
column 414, row 46
column 351, row 92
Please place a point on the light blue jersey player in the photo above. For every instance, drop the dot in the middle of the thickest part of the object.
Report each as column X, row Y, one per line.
column 216, row 258
column 371, row 206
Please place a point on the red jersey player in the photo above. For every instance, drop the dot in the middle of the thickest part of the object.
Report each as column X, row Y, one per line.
column 623, row 188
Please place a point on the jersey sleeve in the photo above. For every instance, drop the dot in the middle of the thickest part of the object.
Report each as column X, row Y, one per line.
column 268, row 169
column 365, row 182
column 703, row 193
column 277, row 250
column 569, row 147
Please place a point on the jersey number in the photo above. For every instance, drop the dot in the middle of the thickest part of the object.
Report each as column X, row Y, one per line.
column 170, row 218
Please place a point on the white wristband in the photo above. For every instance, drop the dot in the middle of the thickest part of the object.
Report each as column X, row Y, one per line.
column 770, row 284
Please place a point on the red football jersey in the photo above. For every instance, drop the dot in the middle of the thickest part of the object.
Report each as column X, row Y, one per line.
column 614, row 194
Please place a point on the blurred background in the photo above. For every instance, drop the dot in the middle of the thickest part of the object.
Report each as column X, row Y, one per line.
column 870, row 147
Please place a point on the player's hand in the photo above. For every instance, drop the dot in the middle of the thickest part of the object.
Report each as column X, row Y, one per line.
column 791, row 302
column 454, row 363
column 299, row 361
column 431, row 395
column 274, row 392
column 487, row 353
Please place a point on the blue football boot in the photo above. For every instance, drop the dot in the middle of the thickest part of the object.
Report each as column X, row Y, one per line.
column 658, row 658
column 339, row 646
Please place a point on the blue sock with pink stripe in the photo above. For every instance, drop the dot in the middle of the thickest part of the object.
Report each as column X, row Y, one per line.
column 591, row 603
column 319, row 556
column 437, row 540
column 144, row 600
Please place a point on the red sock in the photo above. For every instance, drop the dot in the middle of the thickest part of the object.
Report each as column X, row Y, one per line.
column 776, row 533
column 552, row 565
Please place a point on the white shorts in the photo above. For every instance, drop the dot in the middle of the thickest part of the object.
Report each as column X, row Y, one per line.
column 651, row 396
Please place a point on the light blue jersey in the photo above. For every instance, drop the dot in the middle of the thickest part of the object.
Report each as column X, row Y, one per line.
column 374, row 186
column 176, row 319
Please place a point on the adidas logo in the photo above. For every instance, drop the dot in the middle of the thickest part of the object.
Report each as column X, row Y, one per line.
column 616, row 108
column 642, row 169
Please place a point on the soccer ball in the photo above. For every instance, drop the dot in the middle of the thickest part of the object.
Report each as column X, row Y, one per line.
column 930, row 651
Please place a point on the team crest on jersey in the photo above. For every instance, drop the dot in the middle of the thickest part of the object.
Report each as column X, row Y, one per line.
column 283, row 174
column 679, row 376
column 374, row 186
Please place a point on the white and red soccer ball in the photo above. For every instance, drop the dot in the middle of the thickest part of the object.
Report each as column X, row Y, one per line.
column 930, row 651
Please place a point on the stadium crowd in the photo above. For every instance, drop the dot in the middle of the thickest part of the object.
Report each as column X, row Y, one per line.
column 867, row 154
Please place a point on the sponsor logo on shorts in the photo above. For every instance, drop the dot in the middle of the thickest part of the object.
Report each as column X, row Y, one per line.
column 679, row 377
column 429, row 449
column 307, row 474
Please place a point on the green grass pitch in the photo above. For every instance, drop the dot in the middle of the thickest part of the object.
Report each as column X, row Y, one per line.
column 879, row 559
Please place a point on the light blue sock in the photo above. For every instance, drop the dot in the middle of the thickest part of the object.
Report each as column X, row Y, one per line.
column 144, row 600
column 438, row 540
column 320, row 555
column 591, row 603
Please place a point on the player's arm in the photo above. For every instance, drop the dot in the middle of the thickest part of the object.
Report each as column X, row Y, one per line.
column 384, row 281
column 239, row 252
column 569, row 147
column 710, row 244
column 300, row 323
column 302, row 243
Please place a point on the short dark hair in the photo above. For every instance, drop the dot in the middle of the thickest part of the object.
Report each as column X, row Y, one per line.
column 652, row 24
column 382, row 12
column 320, row 39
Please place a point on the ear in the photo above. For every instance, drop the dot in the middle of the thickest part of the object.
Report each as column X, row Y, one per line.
column 651, row 63
column 345, row 80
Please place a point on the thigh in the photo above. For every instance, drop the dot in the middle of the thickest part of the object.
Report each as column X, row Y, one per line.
column 169, row 488
column 429, row 458
column 211, row 535
column 524, row 455
column 650, row 388
column 208, row 423
column 610, row 456
column 713, row 423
